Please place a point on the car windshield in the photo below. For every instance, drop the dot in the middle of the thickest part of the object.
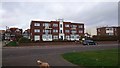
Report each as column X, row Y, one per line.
column 88, row 40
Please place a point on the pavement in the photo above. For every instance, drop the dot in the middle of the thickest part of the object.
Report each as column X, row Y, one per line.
column 28, row 55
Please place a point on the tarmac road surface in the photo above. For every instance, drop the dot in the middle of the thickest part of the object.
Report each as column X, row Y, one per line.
column 28, row 55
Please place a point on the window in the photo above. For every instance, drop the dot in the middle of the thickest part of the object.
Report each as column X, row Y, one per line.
column 36, row 24
column 115, row 29
column 36, row 30
column 80, row 26
column 67, row 37
column 66, row 25
column 77, row 36
column 55, row 30
column 110, row 33
column 47, row 31
column 55, row 25
column 73, row 31
column 109, row 28
column 80, row 31
column 55, row 37
column 74, row 26
column 72, row 36
column 60, row 25
column 67, row 31
column 98, row 30
column 60, row 31
column 46, row 24
column 36, row 37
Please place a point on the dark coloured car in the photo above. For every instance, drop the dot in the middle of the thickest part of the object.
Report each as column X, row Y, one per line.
column 88, row 42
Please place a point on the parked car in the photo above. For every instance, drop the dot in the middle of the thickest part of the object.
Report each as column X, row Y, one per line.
column 89, row 42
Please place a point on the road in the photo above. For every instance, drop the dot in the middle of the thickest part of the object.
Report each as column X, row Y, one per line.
column 27, row 56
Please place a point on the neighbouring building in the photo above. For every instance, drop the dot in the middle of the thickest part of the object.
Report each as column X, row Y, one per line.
column 26, row 33
column 56, row 30
column 13, row 33
column 108, row 31
column 2, row 34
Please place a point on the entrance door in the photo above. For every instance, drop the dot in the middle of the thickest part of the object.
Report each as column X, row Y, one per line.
column 61, row 37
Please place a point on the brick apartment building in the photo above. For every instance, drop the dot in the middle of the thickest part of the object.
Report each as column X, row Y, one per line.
column 108, row 31
column 56, row 30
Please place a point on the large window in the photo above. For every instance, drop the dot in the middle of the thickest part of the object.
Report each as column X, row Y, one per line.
column 36, row 24
column 36, row 30
column 55, row 25
column 66, row 25
column 55, row 30
column 67, row 31
column 36, row 37
column 67, row 37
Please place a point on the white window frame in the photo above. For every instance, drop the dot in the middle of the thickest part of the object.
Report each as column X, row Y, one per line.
column 67, row 25
column 36, row 24
column 36, row 30
column 55, row 37
column 80, row 26
column 80, row 31
column 67, row 37
column 36, row 37
column 46, row 24
column 55, row 25
column 73, row 31
column 67, row 31
column 55, row 30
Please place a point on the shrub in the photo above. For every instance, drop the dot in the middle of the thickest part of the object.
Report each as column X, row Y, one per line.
column 105, row 38
column 23, row 40
column 12, row 43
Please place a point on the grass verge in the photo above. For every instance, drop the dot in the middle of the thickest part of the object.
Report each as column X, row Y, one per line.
column 93, row 58
column 12, row 43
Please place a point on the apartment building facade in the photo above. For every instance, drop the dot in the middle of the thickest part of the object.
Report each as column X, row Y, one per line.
column 108, row 31
column 56, row 30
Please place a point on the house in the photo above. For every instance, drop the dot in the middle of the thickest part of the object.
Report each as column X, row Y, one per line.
column 26, row 33
column 2, row 34
column 13, row 33
column 108, row 31
column 56, row 30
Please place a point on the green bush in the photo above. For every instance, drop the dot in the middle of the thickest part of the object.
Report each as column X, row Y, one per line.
column 12, row 43
column 23, row 40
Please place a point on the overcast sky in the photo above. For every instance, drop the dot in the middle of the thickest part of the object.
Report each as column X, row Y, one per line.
column 92, row 14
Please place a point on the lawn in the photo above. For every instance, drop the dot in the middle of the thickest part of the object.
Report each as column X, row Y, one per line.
column 93, row 58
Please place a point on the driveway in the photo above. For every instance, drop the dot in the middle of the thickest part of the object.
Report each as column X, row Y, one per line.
column 28, row 55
